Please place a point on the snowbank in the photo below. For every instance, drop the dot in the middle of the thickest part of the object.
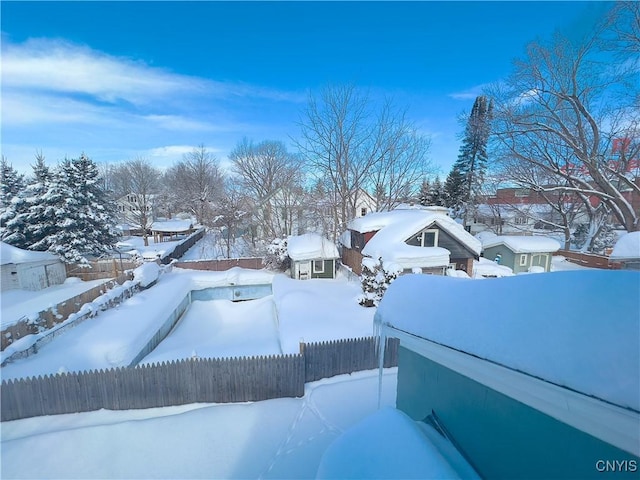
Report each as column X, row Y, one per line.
column 386, row 444
column 146, row 274
column 627, row 247
column 578, row 329
column 311, row 246
column 483, row 267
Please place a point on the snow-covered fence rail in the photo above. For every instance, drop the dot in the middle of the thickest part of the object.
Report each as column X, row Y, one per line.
column 253, row 263
column 194, row 380
column 182, row 247
column 48, row 319
column 327, row 359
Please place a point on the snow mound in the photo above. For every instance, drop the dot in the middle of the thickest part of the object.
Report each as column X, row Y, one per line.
column 146, row 274
column 386, row 444
column 10, row 254
column 577, row 329
column 310, row 246
column 627, row 247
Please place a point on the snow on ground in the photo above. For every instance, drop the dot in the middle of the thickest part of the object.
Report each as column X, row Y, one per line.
column 221, row 328
column 483, row 267
column 15, row 304
column 213, row 247
column 135, row 246
column 560, row 264
column 280, row 438
column 318, row 310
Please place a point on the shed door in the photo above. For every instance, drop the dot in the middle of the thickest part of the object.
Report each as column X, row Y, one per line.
column 539, row 260
column 304, row 272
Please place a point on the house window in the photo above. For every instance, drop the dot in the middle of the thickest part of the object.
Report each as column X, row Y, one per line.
column 429, row 238
column 523, row 260
column 318, row 266
column 363, row 211
column 520, row 220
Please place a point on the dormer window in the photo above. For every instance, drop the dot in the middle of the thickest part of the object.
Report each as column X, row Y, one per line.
column 429, row 238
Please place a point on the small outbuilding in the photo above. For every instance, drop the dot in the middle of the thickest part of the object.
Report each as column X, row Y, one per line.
column 28, row 270
column 521, row 253
column 312, row 256
column 626, row 251
column 171, row 230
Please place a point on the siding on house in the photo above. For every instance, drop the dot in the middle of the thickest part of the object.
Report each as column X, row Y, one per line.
column 501, row 437
column 508, row 258
column 459, row 254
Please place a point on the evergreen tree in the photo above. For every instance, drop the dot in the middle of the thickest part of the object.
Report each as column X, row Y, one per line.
column 472, row 159
column 454, row 191
column 424, row 194
column 437, row 194
column 85, row 217
column 42, row 203
column 11, row 185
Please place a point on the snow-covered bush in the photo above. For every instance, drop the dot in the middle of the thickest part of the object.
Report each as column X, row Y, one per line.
column 376, row 278
column 277, row 257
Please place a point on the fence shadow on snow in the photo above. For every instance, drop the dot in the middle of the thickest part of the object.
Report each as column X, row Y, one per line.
column 196, row 380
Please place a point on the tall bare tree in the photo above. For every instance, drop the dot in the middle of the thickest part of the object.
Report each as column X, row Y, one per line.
column 353, row 147
column 269, row 175
column 141, row 182
column 198, row 183
column 565, row 96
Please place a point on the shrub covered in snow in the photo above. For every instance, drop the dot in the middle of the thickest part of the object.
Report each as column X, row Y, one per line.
column 146, row 274
column 277, row 257
column 376, row 278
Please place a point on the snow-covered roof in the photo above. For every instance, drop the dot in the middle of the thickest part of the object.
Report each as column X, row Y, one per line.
column 523, row 243
column 11, row 254
column 172, row 226
column 585, row 339
column 311, row 246
column 627, row 247
column 396, row 226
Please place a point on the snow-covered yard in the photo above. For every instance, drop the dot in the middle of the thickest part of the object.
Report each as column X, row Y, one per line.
column 15, row 304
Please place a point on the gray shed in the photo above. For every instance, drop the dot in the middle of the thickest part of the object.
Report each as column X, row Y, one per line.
column 521, row 253
column 312, row 256
column 27, row 270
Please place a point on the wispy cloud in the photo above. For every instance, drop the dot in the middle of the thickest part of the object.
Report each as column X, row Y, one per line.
column 470, row 93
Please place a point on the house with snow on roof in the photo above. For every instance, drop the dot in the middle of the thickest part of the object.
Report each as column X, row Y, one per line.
column 521, row 253
column 416, row 238
column 29, row 270
column 312, row 256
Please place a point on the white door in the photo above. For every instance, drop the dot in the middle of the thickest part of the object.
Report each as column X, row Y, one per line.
column 304, row 269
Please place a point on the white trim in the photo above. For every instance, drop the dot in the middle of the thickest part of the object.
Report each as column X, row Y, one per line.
column 610, row 423
column 435, row 231
column 315, row 270
column 521, row 263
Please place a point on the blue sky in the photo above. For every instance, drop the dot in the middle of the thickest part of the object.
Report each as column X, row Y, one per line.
column 119, row 80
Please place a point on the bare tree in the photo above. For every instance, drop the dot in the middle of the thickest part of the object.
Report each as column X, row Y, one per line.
column 269, row 175
column 561, row 99
column 141, row 182
column 353, row 148
column 231, row 212
column 198, row 183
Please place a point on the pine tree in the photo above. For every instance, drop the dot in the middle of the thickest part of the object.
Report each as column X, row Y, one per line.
column 472, row 159
column 11, row 186
column 454, row 192
column 40, row 215
column 424, row 194
column 437, row 194
column 86, row 219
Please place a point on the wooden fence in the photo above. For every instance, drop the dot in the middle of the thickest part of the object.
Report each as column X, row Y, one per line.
column 190, row 381
column 47, row 319
column 587, row 259
column 254, row 263
column 100, row 269
column 182, row 248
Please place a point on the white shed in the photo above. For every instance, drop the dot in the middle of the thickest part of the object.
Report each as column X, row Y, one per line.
column 29, row 270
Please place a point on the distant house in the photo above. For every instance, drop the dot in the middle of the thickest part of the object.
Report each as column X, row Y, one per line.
column 28, row 270
column 312, row 256
column 518, row 385
column 626, row 251
column 421, row 239
column 521, row 253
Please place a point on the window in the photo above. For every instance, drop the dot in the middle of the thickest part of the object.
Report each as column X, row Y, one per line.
column 318, row 266
column 363, row 211
column 520, row 220
column 523, row 260
column 429, row 238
